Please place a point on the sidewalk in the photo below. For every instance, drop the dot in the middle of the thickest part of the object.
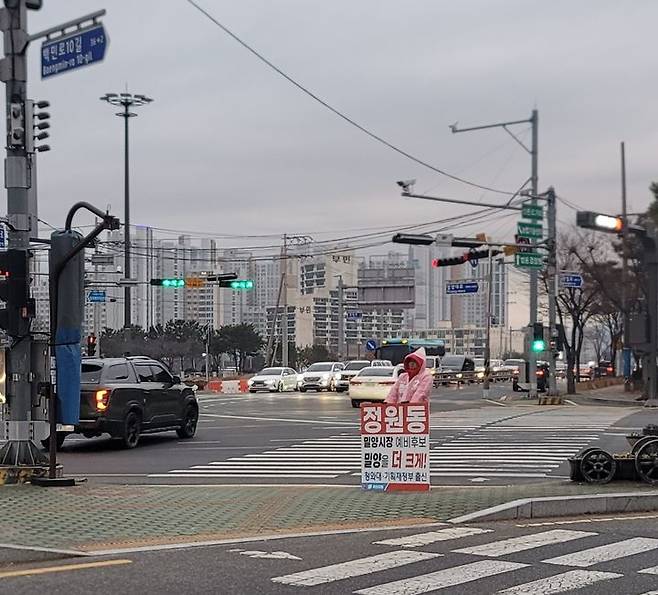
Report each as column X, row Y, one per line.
column 611, row 396
column 94, row 518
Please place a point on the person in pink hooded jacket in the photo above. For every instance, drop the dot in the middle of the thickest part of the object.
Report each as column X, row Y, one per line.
column 415, row 383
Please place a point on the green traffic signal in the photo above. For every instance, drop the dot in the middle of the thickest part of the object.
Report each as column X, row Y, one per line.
column 242, row 284
column 538, row 345
column 173, row 283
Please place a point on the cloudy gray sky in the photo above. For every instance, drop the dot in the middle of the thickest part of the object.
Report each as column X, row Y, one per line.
column 230, row 147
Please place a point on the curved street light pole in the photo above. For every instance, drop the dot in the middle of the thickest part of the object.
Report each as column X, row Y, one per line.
column 127, row 101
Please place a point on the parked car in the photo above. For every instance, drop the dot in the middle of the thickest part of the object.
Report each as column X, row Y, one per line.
column 320, row 376
column 128, row 397
column 373, row 384
column 273, row 380
column 586, row 371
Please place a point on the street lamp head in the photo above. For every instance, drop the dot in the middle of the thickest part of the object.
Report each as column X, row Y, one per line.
column 126, row 99
column 406, row 184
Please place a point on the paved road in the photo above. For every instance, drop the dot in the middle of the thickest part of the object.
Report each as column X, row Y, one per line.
column 312, row 438
column 598, row 556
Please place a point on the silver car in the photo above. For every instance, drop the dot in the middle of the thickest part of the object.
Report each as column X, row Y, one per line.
column 320, row 376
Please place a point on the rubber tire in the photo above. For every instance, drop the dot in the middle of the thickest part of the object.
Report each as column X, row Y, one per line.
column 302, row 390
column 61, row 436
column 252, row 391
column 340, row 389
column 356, row 403
column 190, row 422
column 131, row 439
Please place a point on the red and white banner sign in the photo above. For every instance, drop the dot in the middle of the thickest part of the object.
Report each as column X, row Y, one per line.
column 395, row 447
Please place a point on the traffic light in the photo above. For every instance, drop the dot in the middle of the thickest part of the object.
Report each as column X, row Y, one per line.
column 175, row 283
column 14, row 291
column 599, row 221
column 91, row 345
column 413, row 239
column 538, row 343
column 237, row 284
column 466, row 257
column 16, row 128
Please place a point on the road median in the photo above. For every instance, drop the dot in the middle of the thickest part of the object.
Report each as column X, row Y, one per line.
column 96, row 518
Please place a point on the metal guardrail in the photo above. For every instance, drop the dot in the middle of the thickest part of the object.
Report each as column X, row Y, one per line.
column 470, row 377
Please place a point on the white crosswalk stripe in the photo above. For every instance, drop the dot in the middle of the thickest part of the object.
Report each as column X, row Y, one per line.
column 495, row 549
column 561, row 583
column 449, row 577
column 336, row 572
column 433, row 536
column 605, row 553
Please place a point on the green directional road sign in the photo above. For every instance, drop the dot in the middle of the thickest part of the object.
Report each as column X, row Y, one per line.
column 529, row 260
column 529, row 230
column 530, row 211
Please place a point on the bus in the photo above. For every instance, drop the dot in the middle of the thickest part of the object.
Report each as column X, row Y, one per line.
column 396, row 350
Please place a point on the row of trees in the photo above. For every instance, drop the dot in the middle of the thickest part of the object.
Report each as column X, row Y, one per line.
column 181, row 343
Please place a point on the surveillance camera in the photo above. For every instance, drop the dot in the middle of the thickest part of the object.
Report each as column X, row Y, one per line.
column 406, row 184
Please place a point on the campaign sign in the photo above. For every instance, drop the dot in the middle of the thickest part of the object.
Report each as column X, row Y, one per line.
column 395, row 447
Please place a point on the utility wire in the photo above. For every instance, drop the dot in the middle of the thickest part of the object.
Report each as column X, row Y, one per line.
column 339, row 113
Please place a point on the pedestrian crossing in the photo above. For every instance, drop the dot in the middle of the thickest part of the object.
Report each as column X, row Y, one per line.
column 481, row 445
column 482, row 567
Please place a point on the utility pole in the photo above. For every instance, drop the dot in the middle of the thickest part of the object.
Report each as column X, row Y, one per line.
column 20, row 448
column 284, row 328
column 341, row 318
column 624, row 276
column 487, row 345
column 533, row 151
column 552, row 276
column 126, row 101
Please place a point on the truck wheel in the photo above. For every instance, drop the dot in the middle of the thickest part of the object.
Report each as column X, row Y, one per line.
column 132, row 426
column 190, row 420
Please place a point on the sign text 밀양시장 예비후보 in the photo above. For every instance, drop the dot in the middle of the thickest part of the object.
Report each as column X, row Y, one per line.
column 395, row 447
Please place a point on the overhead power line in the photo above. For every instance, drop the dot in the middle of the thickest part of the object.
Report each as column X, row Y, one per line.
column 337, row 112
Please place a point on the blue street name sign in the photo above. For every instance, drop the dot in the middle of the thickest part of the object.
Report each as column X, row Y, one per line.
column 571, row 280
column 371, row 345
column 457, row 288
column 354, row 314
column 3, row 238
column 73, row 51
column 96, row 296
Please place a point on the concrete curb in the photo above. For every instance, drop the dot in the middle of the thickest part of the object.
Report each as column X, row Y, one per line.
column 561, row 506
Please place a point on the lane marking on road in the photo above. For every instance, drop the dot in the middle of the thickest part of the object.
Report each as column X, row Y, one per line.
column 265, row 555
column 359, row 567
column 560, row 583
column 62, row 568
column 421, row 539
column 282, row 419
column 652, row 570
column 605, row 553
column 524, row 542
column 209, row 475
column 449, row 577
column 589, row 520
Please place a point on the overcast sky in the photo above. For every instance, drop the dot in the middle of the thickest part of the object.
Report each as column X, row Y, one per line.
column 228, row 146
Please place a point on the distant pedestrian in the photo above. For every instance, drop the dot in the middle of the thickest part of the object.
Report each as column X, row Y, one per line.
column 414, row 384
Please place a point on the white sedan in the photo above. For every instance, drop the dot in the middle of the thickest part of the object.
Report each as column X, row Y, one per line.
column 372, row 384
column 273, row 379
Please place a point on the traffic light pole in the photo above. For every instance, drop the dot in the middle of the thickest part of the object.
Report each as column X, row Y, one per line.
column 21, row 431
column 487, row 345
